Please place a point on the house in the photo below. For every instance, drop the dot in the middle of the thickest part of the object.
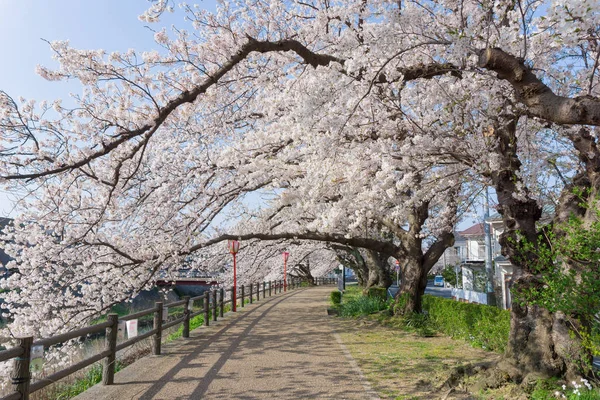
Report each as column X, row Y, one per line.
column 473, row 265
column 4, row 258
column 453, row 256
column 468, row 256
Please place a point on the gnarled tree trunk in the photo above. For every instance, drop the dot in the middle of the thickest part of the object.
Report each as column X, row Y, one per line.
column 379, row 270
column 540, row 343
column 417, row 263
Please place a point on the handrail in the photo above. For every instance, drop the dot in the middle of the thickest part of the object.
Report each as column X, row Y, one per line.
column 138, row 314
column 52, row 340
column 10, row 353
column 21, row 353
column 135, row 339
column 42, row 383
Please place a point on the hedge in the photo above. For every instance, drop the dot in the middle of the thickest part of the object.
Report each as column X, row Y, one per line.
column 484, row 326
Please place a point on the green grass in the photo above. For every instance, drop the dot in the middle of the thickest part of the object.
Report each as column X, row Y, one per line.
column 401, row 365
column 91, row 377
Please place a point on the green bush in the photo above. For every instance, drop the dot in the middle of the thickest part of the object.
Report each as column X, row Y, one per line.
column 378, row 292
column 335, row 297
column 483, row 326
column 362, row 305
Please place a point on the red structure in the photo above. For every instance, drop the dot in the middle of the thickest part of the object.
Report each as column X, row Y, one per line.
column 286, row 254
column 234, row 247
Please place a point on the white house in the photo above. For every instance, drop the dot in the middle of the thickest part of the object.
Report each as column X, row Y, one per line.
column 468, row 253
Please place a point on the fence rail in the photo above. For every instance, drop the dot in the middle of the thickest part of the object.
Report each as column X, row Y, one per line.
column 213, row 302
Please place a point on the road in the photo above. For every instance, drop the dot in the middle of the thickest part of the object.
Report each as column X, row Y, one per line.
column 438, row 291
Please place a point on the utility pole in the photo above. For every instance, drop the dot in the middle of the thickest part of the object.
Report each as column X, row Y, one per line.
column 489, row 273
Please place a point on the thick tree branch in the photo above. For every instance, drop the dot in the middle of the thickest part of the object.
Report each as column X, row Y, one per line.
column 436, row 250
column 539, row 98
column 366, row 243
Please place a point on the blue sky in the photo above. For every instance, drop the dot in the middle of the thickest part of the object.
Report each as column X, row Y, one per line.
column 111, row 25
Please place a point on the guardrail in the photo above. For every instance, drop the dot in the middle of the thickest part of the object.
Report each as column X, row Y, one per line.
column 212, row 302
column 469, row 296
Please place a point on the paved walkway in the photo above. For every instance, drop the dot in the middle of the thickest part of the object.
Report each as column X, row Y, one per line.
column 283, row 347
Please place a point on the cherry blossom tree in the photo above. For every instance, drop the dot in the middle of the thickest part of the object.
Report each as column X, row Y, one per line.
column 353, row 111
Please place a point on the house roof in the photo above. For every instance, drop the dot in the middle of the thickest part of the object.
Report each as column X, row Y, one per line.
column 475, row 230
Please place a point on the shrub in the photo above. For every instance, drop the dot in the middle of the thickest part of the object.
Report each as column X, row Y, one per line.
column 336, row 297
column 377, row 292
column 362, row 305
column 420, row 323
column 483, row 326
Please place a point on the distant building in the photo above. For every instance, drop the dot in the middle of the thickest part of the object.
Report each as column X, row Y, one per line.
column 4, row 258
column 468, row 256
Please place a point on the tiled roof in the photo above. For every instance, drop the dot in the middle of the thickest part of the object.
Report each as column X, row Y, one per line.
column 475, row 230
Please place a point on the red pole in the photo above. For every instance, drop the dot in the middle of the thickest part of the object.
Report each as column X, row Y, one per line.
column 285, row 275
column 234, row 300
column 285, row 254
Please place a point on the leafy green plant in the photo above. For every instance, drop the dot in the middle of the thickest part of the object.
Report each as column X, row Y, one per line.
column 335, row 297
column 362, row 305
column 378, row 292
column 419, row 323
column 450, row 276
column 567, row 261
column 91, row 377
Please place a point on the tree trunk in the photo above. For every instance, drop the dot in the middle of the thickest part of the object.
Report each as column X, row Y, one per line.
column 302, row 271
column 351, row 258
column 414, row 281
column 540, row 344
column 379, row 271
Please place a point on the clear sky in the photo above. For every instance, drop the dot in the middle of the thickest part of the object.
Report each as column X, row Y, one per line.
column 111, row 25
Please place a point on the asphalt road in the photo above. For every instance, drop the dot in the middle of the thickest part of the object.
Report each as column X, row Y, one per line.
column 438, row 291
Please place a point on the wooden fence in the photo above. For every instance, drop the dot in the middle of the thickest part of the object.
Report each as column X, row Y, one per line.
column 212, row 302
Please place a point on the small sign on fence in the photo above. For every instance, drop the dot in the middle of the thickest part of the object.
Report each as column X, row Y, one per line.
column 132, row 328
column 165, row 313
column 121, row 330
column 37, row 358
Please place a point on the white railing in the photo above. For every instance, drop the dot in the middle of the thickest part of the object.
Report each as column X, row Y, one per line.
column 470, row 296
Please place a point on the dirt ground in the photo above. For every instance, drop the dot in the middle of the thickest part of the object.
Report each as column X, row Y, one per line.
column 402, row 366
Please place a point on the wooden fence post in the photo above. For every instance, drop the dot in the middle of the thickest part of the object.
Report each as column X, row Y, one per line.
column 242, row 290
column 186, row 317
column 110, row 344
column 222, row 304
column 270, row 288
column 158, row 317
column 21, row 377
column 214, row 306
column 251, row 292
column 264, row 289
column 280, row 286
column 257, row 291
column 205, row 302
